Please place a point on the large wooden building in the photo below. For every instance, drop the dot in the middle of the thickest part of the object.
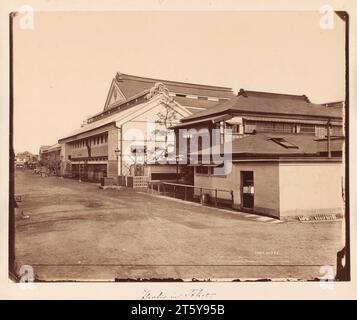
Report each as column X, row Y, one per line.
column 285, row 154
column 113, row 142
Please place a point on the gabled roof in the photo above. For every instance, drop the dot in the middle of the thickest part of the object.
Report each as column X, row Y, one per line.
column 250, row 102
column 185, row 93
column 131, row 85
column 195, row 97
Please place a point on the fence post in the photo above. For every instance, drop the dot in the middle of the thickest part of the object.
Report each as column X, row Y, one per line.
column 158, row 188
column 232, row 196
column 215, row 197
column 201, row 197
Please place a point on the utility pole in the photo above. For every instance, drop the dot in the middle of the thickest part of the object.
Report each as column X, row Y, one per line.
column 328, row 139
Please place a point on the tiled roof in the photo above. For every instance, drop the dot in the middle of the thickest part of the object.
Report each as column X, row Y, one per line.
column 131, row 85
column 263, row 144
column 336, row 104
column 336, row 144
column 94, row 125
column 273, row 104
column 195, row 103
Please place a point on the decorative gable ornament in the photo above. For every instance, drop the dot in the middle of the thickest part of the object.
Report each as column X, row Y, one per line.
column 158, row 88
column 118, row 77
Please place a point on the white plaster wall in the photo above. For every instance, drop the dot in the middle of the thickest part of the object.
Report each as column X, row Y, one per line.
column 310, row 188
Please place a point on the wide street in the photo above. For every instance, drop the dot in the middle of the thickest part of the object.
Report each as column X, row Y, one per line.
column 76, row 231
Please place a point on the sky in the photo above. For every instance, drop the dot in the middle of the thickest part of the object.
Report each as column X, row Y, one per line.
column 63, row 67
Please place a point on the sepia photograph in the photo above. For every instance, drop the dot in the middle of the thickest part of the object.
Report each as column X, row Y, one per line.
column 179, row 146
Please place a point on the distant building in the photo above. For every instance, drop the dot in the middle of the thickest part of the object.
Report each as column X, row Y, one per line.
column 41, row 150
column 51, row 158
column 26, row 157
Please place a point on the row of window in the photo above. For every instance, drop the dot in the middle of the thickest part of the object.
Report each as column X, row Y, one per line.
column 96, row 140
column 239, row 130
column 206, row 170
column 280, row 127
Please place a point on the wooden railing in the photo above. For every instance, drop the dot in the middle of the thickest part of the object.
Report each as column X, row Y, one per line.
column 186, row 192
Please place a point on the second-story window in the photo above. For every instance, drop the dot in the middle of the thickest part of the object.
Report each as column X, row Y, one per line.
column 265, row 126
column 235, row 134
column 307, row 128
column 250, row 127
column 336, row 131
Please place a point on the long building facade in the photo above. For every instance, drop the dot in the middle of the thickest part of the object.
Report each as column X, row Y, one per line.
column 282, row 145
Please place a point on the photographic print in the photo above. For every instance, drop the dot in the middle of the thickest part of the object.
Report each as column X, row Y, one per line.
column 179, row 146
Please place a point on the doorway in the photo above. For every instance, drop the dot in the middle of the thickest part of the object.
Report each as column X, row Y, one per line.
column 247, row 189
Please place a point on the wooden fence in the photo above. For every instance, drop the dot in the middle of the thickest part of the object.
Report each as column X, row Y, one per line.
column 133, row 181
column 205, row 195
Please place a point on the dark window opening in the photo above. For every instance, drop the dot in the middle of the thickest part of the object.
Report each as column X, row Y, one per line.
column 202, row 170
